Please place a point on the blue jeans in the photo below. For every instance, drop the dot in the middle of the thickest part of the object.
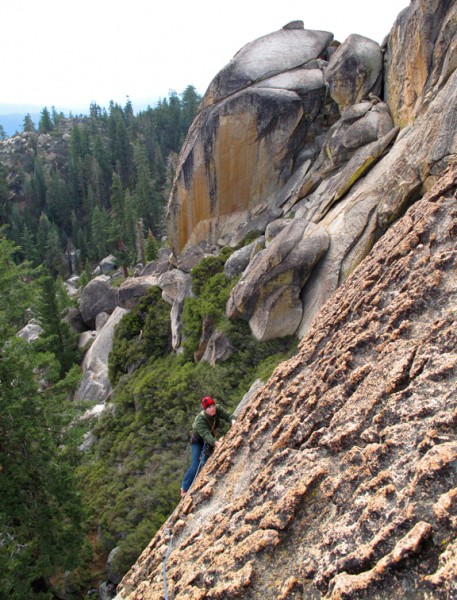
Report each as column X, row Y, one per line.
column 198, row 460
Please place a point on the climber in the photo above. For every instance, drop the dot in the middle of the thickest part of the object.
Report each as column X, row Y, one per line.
column 203, row 439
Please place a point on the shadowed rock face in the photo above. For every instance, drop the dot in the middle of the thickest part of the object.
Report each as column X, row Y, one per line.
column 339, row 478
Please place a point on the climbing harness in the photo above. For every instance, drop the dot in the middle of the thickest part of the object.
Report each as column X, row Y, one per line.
column 203, row 458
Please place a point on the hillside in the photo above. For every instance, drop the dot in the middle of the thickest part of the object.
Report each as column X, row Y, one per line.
column 312, row 203
column 338, row 480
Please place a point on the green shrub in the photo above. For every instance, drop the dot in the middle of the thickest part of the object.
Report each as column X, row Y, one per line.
column 143, row 333
column 131, row 477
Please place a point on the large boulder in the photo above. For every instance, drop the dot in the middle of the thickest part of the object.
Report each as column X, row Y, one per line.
column 268, row 293
column 239, row 260
column 271, row 55
column 264, row 108
column 75, row 321
column 134, row 288
column 97, row 296
column 158, row 266
column 354, row 71
column 218, row 348
column 31, row 331
column 108, row 264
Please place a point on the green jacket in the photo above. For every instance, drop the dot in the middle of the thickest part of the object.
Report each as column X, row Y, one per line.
column 206, row 426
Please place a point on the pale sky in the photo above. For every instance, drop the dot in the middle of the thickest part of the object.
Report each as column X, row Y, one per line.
column 69, row 54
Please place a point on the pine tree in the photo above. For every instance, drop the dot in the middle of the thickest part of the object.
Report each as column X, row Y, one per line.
column 4, row 202
column 100, row 223
column 120, row 224
column 28, row 125
column 57, row 337
column 56, row 117
column 190, row 101
column 38, row 187
column 28, row 246
column 45, row 124
column 152, row 247
column 58, row 202
column 40, row 511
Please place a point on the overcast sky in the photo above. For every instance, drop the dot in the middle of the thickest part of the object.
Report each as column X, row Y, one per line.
column 69, row 54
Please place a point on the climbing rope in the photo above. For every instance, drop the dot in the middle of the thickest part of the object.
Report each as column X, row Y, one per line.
column 167, row 530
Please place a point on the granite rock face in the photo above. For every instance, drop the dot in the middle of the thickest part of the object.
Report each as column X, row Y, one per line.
column 268, row 293
column 297, row 128
column 242, row 146
column 339, row 478
column 416, row 72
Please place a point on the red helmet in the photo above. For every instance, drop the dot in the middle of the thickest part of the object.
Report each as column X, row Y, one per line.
column 207, row 401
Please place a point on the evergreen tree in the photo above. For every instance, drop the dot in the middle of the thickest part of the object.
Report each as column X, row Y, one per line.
column 39, row 190
column 152, row 247
column 40, row 512
column 56, row 117
column 101, row 170
column 58, row 202
column 28, row 246
column 122, row 151
column 45, row 124
column 4, row 203
column 146, row 198
column 54, row 259
column 3, row 134
column 100, row 223
column 190, row 101
column 57, row 337
column 44, row 228
column 28, row 125
column 120, row 225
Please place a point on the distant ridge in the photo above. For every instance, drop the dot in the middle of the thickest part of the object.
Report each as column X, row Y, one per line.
column 12, row 115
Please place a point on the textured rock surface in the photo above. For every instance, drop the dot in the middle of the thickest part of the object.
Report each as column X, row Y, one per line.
column 420, row 69
column 339, row 479
column 257, row 114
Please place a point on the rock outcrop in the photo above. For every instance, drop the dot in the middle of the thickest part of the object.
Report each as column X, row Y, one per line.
column 339, row 478
column 268, row 294
column 97, row 297
column 296, row 127
column 421, row 69
column 243, row 144
column 95, row 385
